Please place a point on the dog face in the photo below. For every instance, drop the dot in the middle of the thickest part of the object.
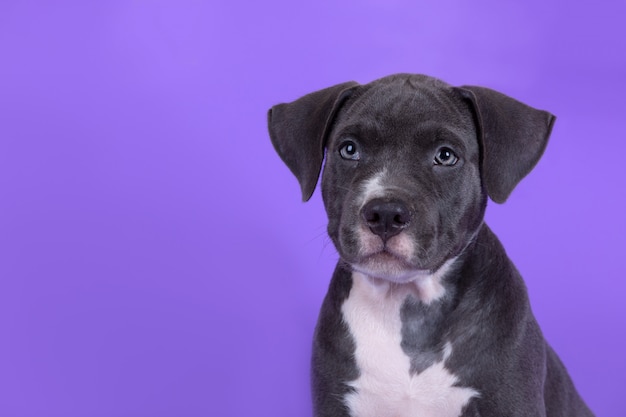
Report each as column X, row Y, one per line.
column 410, row 162
column 401, row 181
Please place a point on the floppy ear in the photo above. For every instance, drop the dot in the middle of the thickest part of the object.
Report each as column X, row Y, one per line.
column 299, row 130
column 513, row 137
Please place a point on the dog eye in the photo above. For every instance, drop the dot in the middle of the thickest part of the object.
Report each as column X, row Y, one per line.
column 445, row 156
column 349, row 151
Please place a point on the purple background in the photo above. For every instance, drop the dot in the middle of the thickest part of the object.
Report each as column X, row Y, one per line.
column 155, row 258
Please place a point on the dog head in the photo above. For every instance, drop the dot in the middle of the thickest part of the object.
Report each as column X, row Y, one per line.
column 410, row 162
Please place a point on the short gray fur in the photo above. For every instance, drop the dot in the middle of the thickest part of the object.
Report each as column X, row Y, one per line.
column 485, row 314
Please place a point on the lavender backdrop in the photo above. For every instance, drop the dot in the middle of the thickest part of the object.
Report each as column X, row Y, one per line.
column 155, row 258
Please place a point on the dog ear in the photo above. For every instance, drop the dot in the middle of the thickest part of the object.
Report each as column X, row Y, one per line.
column 299, row 131
column 513, row 137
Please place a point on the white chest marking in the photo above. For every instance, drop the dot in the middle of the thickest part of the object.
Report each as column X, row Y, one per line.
column 385, row 387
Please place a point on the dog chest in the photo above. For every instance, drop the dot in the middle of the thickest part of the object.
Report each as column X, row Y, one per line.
column 387, row 386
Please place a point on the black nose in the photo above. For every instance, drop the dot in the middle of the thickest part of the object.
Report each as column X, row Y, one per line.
column 386, row 218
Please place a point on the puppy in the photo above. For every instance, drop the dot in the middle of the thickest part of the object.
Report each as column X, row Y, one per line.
column 425, row 315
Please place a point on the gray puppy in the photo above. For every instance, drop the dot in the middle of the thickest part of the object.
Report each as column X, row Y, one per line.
column 425, row 315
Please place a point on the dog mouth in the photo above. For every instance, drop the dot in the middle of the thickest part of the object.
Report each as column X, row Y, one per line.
column 387, row 265
column 384, row 255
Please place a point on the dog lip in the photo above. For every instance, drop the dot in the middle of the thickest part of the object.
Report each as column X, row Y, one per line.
column 384, row 254
column 388, row 253
column 387, row 265
column 382, row 251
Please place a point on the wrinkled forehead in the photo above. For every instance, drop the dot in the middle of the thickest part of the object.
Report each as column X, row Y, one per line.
column 405, row 110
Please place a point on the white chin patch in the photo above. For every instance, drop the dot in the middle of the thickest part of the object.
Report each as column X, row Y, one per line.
column 424, row 284
column 389, row 268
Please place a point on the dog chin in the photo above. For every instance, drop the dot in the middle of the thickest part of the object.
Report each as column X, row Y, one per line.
column 389, row 267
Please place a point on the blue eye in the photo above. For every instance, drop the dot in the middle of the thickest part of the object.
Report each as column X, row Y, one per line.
column 446, row 157
column 349, row 151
